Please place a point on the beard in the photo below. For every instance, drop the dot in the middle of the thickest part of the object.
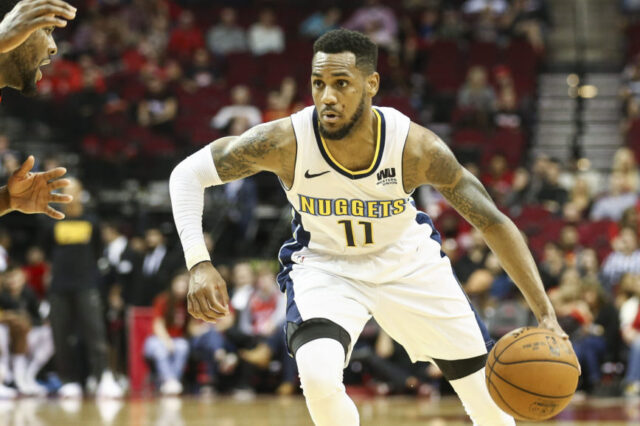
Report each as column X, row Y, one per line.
column 342, row 132
column 25, row 73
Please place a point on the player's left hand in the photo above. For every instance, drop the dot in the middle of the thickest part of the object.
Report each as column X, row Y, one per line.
column 31, row 192
column 551, row 323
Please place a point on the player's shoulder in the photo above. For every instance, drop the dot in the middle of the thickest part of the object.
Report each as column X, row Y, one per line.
column 278, row 133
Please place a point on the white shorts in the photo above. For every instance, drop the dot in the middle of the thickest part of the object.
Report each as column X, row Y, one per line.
column 426, row 311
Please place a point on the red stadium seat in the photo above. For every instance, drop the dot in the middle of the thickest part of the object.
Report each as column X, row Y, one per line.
column 469, row 137
column 139, row 324
column 401, row 103
column 484, row 54
column 242, row 68
column 444, row 70
column 508, row 142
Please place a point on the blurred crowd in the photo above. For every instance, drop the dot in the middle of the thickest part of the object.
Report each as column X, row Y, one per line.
column 140, row 83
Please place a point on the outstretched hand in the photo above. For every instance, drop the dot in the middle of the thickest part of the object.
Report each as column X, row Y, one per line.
column 31, row 192
column 207, row 298
column 30, row 15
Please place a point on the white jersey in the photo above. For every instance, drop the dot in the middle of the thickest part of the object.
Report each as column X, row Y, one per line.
column 359, row 224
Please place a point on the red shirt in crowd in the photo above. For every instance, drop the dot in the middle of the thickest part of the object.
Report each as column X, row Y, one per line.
column 178, row 322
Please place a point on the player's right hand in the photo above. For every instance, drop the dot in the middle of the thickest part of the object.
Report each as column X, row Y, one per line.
column 30, row 15
column 207, row 298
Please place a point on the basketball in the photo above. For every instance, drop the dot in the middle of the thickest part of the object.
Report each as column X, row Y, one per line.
column 532, row 373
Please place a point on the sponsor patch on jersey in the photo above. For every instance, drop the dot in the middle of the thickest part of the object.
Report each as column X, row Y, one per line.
column 374, row 209
column 387, row 176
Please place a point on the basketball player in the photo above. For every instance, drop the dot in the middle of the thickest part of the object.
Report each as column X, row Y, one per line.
column 360, row 248
column 25, row 45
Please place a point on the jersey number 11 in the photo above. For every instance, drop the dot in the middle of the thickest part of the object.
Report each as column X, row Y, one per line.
column 348, row 232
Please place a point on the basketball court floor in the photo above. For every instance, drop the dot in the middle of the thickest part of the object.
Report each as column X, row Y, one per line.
column 282, row 411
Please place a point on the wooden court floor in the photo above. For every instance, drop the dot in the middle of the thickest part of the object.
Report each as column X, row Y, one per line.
column 273, row 411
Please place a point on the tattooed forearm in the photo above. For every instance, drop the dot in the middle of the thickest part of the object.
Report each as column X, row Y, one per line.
column 472, row 201
column 463, row 191
column 242, row 156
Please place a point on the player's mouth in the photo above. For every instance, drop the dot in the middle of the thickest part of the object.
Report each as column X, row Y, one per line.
column 330, row 117
column 41, row 64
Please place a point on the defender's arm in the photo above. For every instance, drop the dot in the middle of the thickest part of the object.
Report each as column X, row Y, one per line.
column 428, row 160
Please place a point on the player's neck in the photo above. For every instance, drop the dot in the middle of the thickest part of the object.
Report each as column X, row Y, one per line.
column 362, row 135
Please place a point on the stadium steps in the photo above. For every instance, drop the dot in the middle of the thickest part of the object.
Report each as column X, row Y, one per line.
column 573, row 125
column 585, row 31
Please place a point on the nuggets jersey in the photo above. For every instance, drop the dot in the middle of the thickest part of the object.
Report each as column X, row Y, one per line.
column 358, row 224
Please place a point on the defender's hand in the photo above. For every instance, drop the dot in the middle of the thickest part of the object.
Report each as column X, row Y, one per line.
column 31, row 192
column 207, row 298
column 30, row 15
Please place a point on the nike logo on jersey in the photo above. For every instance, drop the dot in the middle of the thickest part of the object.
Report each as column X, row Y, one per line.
column 310, row 176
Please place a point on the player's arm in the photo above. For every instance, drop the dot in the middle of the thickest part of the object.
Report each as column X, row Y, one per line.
column 267, row 147
column 428, row 160
column 30, row 15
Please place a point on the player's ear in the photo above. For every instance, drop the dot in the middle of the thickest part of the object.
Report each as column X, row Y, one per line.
column 373, row 84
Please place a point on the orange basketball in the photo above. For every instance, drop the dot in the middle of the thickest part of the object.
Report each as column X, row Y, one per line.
column 532, row 373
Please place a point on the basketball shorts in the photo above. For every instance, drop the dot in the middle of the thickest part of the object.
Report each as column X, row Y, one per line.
column 426, row 311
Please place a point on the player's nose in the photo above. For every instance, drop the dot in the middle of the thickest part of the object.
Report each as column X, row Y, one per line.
column 329, row 97
column 52, row 48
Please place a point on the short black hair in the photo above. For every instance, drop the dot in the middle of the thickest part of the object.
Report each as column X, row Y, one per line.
column 341, row 40
column 6, row 6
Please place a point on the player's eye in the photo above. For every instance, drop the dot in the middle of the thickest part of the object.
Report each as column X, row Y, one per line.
column 317, row 84
column 343, row 83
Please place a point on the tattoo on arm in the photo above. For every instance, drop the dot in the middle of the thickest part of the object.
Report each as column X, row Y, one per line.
column 463, row 190
column 244, row 155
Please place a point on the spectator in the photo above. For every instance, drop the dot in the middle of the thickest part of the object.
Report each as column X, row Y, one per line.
column 579, row 204
column 528, row 18
column 477, row 96
column 227, row 36
column 552, row 266
column 73, row 245
column 167, row 348
column 159, row 108
column 13, row 344
column 428, row 25
column 18, row 299
column 452, row 26
column 265, row 36
column 186, row 38
column 498, row 178
column 551, row 194
column 5, row 246
column 612, row 205
column 240, row 107
column 625, row 258
column 630, row 328
column 378, row 22
column 37, row 271
column 153, row 272
column 507, row 115
column 117, row 265
column 264, row 318
column 202, row 71
column 320, row 22
column 626, row 170
column 478, row 6
column 597, row 340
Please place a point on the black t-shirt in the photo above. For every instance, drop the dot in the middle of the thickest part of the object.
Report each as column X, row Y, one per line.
column 26, row 302
column 73, row 246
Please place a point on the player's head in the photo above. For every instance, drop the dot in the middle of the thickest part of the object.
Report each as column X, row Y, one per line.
column 343, row 80
column 21, row 66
